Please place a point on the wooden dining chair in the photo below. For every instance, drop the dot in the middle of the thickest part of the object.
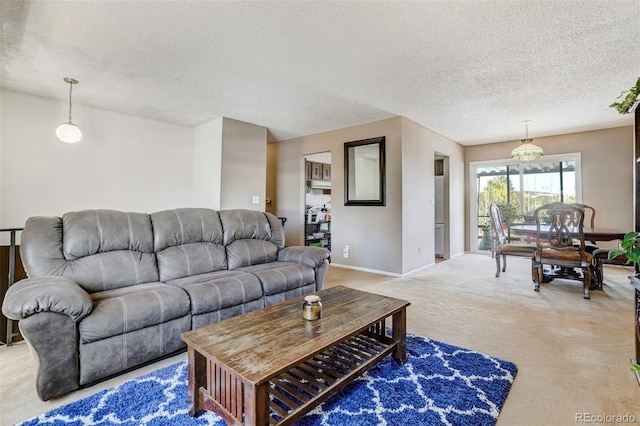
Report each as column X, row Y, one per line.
column 601, row 257
column 590, row 220
column 501, row 245
column 559, row 225
column 589, row 214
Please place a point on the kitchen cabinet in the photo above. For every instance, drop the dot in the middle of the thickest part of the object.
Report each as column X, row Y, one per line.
column 326, row 172
column 307, row 170
column 316, row 171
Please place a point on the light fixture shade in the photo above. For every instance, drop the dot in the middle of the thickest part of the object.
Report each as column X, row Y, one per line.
column 527, row 151
column 69, row 133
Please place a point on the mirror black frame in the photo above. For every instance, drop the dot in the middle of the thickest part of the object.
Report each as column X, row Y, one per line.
column 350, row 168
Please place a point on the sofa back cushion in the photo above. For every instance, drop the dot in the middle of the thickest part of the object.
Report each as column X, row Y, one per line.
column 98, row 249
column 188, row 241
column 251, row 237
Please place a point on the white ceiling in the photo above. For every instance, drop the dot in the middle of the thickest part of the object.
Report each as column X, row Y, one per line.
column 469, row 70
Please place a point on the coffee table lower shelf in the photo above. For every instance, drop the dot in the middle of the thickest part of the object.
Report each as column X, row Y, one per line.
column 295, row 392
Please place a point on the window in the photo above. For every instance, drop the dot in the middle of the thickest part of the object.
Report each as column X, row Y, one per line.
column 519, row 188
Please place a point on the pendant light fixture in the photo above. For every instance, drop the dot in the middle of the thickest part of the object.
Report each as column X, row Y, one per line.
column 69, row 132
column 527, row 150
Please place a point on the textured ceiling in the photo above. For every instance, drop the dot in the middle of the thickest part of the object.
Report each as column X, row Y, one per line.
column 469, row 70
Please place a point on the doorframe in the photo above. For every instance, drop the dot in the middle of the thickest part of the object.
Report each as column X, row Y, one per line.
column 303, row 191
column 445, row 200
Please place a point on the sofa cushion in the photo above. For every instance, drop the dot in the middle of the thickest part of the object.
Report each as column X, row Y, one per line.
column 251, row 237
column 112, row 270
column 186, row 225
column 98, row 249
column 189, row 259
column 278, row 277
column 239, row 224
column 132, row 308
column 89, row 232
column 250, row 252
column 218, row 290
column 115, row 354
column 277, row 230
column 188, row 242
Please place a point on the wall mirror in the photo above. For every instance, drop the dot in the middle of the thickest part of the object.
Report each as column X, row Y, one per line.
column 364, row 172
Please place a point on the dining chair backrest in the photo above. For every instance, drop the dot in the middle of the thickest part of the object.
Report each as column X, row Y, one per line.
column 589, row 214
column 496, row 222
column 559, row 226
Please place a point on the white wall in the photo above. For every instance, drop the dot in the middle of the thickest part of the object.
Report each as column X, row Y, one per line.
column 244, row 165
column 372, row 232
column 122, row 162
column 419, row 147
column 382, row 239
column 207, row 164
column 229, row 164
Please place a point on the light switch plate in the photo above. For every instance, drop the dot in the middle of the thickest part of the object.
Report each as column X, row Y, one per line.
column 255, row 199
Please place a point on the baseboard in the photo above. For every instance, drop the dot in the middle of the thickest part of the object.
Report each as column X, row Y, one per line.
column 422, row 268
column 373, row 271
column 391, row 274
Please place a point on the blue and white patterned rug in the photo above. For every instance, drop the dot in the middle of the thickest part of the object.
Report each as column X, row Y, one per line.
column 440, row 384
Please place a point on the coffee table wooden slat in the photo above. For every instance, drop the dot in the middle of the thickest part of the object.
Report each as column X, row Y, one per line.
column 237, row 364
column 336, row 379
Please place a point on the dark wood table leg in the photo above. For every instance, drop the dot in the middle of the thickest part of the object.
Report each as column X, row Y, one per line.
column 400, row 335
column 257, row 405
column 197, row 378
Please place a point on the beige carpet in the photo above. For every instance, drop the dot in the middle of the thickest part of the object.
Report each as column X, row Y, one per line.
column 571, row 353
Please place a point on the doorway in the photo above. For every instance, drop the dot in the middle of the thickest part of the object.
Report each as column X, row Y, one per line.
column 317, row 209
column 441, row 207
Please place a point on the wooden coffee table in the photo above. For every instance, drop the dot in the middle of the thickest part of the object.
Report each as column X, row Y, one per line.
column 271, row 366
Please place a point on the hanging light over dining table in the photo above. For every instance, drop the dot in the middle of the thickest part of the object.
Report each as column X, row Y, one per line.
column 527, row 150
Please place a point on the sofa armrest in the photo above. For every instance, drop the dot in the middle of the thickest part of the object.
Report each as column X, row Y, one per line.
column 46, row 294
column 308, row 255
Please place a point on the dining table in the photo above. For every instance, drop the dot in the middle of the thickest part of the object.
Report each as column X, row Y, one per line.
column 590, row 234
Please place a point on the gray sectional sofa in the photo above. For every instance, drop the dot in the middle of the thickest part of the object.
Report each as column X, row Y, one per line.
column 109, row 290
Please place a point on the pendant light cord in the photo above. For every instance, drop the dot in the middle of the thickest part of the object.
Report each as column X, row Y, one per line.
column 70, row 90
column 526, row 139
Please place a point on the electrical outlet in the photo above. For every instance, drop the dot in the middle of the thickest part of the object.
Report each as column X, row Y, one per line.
column 255, row 199
column 419, row 249
column 346, row 252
